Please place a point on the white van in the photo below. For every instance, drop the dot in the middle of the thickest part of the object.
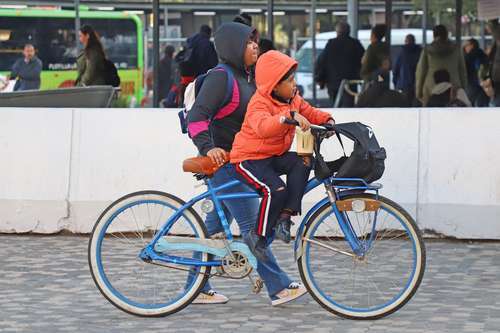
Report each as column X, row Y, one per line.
column 304, row 71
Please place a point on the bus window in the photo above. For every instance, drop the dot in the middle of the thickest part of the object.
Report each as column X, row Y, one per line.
column 54, row 39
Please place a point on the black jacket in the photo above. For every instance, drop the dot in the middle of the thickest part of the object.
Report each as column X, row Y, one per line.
column 377, row 95
column 473, row 61
column 341, row 59
column 230, row 41
column 406, row 67
column 166, row 78
column 204, row 55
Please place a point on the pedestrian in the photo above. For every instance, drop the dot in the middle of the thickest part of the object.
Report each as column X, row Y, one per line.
column 26, row 71
column 340, row 60
column 376, row 53
column 204, row 56
column 91, row 61
column 441, row 54
column 237, row 49
column 475, row 59
column 405, row 68
column 265, row 45
column 166, row 78
column 445, row 94
column 243, row 18
column 377, row 94
column 494, row 27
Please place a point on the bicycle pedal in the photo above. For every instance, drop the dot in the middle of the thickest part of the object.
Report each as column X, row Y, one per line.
column 258, row 285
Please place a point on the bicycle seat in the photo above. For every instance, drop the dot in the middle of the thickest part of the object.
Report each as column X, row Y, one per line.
column 201, row 165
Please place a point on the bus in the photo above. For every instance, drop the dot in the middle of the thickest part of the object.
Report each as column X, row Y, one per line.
column 52, row 32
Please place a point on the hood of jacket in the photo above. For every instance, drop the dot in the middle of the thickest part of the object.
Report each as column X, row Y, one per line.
column 230, row 43
column 271, row 67
column 442, row 48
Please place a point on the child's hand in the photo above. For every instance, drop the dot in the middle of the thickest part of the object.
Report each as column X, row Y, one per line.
column 303, row 122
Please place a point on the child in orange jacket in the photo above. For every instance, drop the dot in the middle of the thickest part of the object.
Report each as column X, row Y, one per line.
column 260, row 150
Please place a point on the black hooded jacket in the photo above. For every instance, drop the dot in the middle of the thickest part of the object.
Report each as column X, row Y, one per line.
column 230, row 44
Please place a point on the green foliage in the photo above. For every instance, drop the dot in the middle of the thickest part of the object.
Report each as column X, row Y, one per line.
column 440, row 6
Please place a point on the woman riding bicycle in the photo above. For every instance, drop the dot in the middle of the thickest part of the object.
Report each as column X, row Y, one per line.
column 213, row 134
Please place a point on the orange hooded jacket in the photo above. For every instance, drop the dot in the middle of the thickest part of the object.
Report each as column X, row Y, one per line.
column 262, row 135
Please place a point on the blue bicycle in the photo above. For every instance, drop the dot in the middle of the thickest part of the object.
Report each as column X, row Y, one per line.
column 359, row 254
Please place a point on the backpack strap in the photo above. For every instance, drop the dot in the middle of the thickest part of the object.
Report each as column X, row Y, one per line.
column 341, row 143
column 231, row 99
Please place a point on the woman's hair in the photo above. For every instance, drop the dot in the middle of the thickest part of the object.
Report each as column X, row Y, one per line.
column 379, row 31
column 440, row 32
column 94, row 43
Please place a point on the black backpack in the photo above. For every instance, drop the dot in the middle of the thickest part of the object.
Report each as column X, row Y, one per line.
column 111, row 77
column 366, row 160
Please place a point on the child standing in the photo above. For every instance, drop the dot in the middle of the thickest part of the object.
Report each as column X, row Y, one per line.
column 260, row 150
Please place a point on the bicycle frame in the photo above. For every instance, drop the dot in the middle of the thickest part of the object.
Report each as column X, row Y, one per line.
column 217, row 199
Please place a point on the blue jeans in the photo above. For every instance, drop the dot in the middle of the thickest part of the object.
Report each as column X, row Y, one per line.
column 244, row 211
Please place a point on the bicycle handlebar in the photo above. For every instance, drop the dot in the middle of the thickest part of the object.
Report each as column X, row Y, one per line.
column 289, row 121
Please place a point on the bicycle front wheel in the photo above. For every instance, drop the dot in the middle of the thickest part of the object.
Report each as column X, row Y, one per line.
column 363, row 287
column 131, row 284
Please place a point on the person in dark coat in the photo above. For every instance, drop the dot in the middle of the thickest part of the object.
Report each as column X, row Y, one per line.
column 27, row 70
column 340, row 60
column 405, row 67
column 494, row 26
column 376, row 53
column 166, row 78
column 204, row 56
column 377, row 94
column 474, row 59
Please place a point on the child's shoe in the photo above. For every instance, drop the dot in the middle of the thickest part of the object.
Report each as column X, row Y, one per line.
column 282, row 229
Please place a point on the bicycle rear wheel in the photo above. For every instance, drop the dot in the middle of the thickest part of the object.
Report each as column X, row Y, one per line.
column 368, row 287
column 119, row 235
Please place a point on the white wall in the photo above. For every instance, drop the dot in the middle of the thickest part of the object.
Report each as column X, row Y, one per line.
column 61, row 167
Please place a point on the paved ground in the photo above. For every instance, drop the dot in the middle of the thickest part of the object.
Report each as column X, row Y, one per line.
column 45, row 286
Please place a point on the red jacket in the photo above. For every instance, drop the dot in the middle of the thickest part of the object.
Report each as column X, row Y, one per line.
column 262, row 135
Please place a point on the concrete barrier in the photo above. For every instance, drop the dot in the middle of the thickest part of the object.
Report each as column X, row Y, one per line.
column 60, row 168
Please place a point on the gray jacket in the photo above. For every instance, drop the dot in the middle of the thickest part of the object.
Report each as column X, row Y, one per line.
column 27, row 74
column 230, row 43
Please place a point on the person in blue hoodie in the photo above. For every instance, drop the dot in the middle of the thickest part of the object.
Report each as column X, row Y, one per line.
column 405, row 68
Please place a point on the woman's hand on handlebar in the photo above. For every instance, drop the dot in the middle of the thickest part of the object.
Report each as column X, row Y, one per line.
column 218, row 156
column 304, row 124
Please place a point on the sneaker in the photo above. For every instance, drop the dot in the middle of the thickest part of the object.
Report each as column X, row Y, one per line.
column 294, row 291
column 256, row 244
column 210, row 297
column 282, row 229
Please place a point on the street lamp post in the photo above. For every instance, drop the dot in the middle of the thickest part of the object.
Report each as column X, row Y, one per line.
column 270, row 20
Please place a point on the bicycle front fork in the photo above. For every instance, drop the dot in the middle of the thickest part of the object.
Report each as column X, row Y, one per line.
column 344, row 223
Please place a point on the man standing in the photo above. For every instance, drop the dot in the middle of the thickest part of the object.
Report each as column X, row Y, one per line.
column 441, row 54
column 340, row 60
column 475, row 59
column 405, row 68
column 166, row 71
column 203, row 55
column 27, row 70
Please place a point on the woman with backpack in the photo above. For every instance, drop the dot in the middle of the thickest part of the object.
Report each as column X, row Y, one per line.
column 213, row 126
column 91, row 62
